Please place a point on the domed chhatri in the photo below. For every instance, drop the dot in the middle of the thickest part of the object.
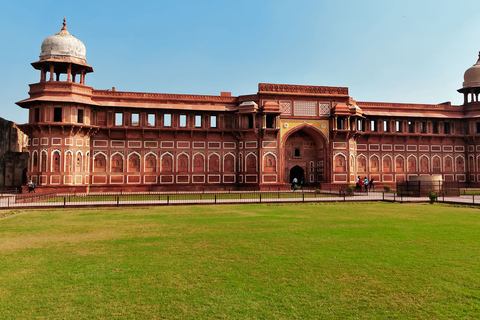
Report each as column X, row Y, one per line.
column 63, row 47
column 471, row 78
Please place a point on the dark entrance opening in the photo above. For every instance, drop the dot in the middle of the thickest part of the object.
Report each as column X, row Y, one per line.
column 299, row 173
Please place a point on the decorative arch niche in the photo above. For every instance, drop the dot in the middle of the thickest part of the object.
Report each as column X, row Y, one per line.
column 100, row 162
column 150, row 162
column 133, row 162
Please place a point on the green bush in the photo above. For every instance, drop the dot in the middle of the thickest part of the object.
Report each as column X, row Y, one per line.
column 296, row 187
column 433, row 196
column 386, row 188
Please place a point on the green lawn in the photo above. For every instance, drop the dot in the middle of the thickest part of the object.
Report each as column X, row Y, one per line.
column 304, row 261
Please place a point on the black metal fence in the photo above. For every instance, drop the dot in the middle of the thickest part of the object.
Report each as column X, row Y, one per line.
column 73, row 200
column 423, row 188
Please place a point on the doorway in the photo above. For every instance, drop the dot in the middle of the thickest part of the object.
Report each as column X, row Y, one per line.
column 299, row 173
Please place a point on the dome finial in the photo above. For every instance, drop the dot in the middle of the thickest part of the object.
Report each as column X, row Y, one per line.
column 65, row 25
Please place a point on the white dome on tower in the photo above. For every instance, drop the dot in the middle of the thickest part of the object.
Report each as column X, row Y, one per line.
column 471, row 78
column 63, row 47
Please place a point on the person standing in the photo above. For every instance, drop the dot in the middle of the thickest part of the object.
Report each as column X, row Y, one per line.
column 360, row 184
column 365, row 182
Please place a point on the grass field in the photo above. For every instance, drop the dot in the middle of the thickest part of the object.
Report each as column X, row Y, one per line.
column 312, row 261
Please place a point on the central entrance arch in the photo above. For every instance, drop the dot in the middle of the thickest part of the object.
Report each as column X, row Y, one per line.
column 297, row 172
column 304, row 155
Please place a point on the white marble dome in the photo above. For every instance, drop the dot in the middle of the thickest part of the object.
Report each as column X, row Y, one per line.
column 63, row 46
column 471, row 78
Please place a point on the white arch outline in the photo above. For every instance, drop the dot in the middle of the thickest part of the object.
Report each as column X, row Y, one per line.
column 173, row 161
column 188, row 160
column 256, row 160
column 391, row 163
column 123, row 160
column 193, row 160
column 139, row 159
column 46, row 159
column 219, row 158
column 439, row 158
column 65, row 162
column 429, row 165
column 81, row 159
column 106, row 160
column 35, row 152
column 416, row 163
column 60, row 160
column 276, row 161
column 366, row 162
column 456, row 165
column 444, row 163
column 380, row 169
column 145, row 160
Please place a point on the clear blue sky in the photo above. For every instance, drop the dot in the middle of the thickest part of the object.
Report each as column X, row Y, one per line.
column 386, row 51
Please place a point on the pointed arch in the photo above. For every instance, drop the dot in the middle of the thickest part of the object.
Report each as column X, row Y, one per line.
column 150, row 162
column 213, row 162
column 424, row 164
column 183, row 160
column 133, row 160
column 78, row 161
column 460, row 163
column 399, row 163
column 374, row 163
column 43, row 160
column 412, row 164
column 361, row 163
column 56, row 160
column 229, row 163
column 251, row 162
column 166, row 159
column 436, row 164
column 117, row 162
column 68, row 161
column 387, row 162
column 34, row 165
column 100, row 162
column 270, row 162
column 198, row 162
column 340, row 162
column 448, row 164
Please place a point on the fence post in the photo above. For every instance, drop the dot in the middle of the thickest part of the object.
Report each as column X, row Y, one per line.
column 168, row 200
column 260, row 198
column 118, row 198
column 215, row 198
column 64, row 200
column 383, row 196
column 303, row 196
column 8, row 202
column 473, row 198
column 344, row 197
column 394, row 197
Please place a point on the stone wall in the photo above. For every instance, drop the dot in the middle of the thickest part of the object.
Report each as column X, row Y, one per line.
column 13, row 159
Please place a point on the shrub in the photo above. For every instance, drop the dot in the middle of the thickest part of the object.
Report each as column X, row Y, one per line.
column 296, row 187
column 433, row 196
column 386, row 188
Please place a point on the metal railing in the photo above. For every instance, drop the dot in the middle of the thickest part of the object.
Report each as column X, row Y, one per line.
column 116, row 199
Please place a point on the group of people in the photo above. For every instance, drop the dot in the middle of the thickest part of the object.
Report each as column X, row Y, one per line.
column 365, row 182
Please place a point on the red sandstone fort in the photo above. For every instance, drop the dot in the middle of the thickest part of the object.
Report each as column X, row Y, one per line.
column 85, row 139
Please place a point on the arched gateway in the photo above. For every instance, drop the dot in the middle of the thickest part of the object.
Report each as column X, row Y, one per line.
column 304, row 156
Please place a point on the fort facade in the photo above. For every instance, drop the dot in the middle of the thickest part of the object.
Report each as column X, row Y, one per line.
column 85, row 139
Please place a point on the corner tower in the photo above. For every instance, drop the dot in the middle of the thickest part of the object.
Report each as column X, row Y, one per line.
column 60, row 108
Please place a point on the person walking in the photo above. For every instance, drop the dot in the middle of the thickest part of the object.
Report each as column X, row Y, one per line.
column 371, row 184
column 365, row 182
column 360, row 184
